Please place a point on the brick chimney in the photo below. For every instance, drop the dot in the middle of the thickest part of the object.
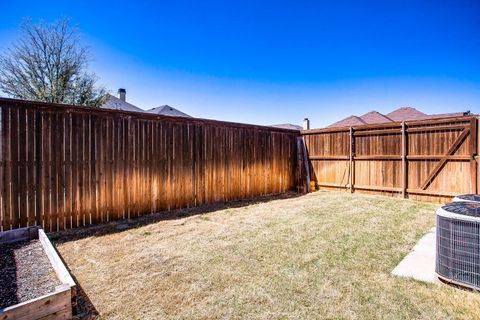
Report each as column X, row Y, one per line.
column 122, row 94
column 306, row 124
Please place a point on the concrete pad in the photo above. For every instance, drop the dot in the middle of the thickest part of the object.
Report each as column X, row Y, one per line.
column 419, row 264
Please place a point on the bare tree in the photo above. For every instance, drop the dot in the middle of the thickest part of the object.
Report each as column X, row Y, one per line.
column 48, row 64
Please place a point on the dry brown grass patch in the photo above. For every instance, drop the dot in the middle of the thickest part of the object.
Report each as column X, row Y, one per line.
column 323, row 255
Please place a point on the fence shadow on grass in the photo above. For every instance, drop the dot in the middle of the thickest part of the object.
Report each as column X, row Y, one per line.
column 102, row 229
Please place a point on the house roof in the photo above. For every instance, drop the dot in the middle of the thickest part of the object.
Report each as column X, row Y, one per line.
column 115, row 103
column 166, row 110
column 407, row 114
column 287, row 126
column 348, row 122
column 374, row 117
column 448, row 115
column 397, row 115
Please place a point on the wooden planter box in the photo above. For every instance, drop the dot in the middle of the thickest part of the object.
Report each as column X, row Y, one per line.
column 55, row 305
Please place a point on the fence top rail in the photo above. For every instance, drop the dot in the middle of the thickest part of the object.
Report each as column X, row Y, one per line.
column 68, row 108
column 452, row 120
column 391, row 125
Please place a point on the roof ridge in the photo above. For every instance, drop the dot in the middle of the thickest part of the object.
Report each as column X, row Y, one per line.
column 359, row 118
column 375, row 117
column 347, row 122
column 354, row 117
column 406, row 108
column 168, row 110
column 377, row 112
column 119, row 102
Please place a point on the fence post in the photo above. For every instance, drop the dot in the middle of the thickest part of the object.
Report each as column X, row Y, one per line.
column 352, row 164
column 303, row 166
column 478, row 153
column 473, row 152
column 404, row 161
column 306, row 162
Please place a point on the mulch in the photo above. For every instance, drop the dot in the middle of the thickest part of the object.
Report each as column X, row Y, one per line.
column 25, row 273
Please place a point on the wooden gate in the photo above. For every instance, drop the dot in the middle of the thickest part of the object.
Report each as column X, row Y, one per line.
column 430, row 160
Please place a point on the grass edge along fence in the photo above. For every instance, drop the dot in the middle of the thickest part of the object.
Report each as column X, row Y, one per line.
column 427, row 160
column 66, row 166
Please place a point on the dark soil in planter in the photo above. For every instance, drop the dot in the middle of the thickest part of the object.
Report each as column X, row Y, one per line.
column 25, row 273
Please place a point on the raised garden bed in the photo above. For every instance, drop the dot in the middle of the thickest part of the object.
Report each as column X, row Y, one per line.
column 34, row 282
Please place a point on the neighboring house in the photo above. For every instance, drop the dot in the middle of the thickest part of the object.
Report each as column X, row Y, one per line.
column 398, row 115
column 287, row 126
column 121, row 103
column 168, row 111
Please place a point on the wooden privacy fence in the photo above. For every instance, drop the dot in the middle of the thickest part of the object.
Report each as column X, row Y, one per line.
column 423, row 160
column 67, row 166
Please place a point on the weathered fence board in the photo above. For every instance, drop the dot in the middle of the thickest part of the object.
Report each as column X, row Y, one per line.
column 424, row 160
column 65, row 166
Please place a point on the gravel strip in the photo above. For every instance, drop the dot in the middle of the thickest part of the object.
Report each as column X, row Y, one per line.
column 25, row 272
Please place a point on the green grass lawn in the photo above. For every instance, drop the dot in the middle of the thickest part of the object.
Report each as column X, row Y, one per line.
column 319, row 256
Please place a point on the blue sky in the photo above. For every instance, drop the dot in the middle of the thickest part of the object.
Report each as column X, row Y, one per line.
column 269, row 62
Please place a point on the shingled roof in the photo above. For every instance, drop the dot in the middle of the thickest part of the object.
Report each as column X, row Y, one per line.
column 287, row 126
column 348, row 122
column 398, row 115
column 448, row 115
column 166, row 110
column 374, row 117
column 120, row 103
column 406, row 114
column 115, row 103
